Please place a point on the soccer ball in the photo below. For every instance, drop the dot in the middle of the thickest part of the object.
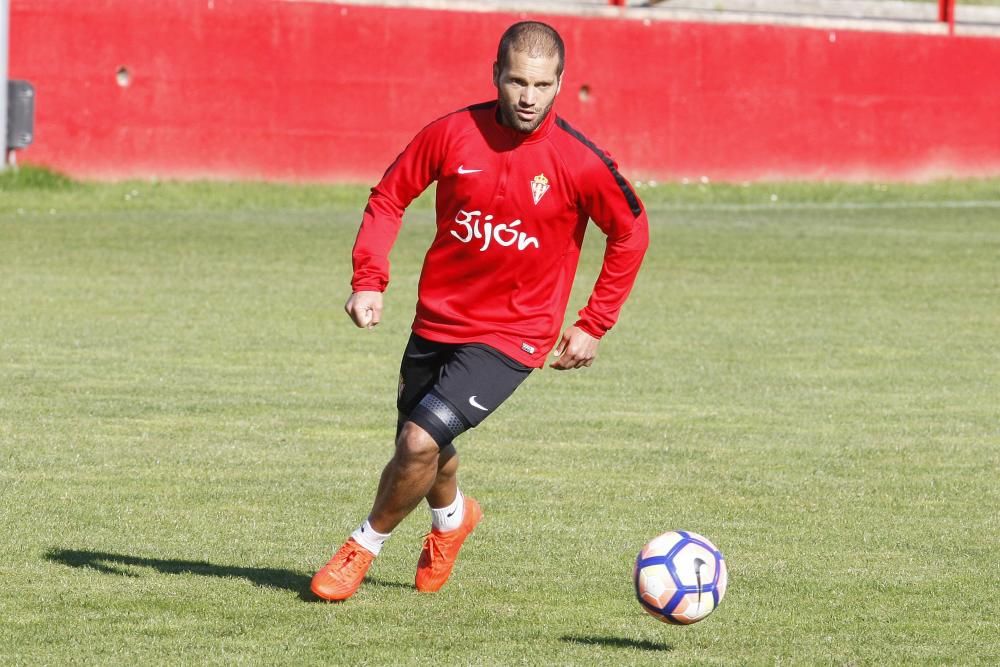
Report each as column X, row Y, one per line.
column 680, row 577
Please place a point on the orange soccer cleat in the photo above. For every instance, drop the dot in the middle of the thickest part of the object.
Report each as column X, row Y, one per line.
column 341, row 577
column 441, row 549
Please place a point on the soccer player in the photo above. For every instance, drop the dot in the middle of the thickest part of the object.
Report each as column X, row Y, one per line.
column 516, row 187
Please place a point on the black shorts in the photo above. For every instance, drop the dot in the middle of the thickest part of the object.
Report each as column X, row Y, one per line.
column 447, row 389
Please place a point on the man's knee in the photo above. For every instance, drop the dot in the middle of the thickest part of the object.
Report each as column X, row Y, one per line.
column 415, row 445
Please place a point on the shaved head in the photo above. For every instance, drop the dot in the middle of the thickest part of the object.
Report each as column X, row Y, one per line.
column 533, row 38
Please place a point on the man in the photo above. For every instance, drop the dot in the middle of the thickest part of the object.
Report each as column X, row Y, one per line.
column 516, row 186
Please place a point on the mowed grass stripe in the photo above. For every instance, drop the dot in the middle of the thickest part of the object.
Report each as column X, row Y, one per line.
column 189, row 424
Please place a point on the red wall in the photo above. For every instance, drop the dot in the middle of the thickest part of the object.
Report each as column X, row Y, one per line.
column 319, row 91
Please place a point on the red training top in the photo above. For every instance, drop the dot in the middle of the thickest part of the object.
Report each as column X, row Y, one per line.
column 512, row 209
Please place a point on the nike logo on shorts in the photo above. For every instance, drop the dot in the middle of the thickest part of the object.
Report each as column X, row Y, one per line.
column 463, row 170
column 474, row 403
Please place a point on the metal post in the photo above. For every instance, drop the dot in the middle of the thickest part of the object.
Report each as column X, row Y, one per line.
column 946, row 14
column 4, row 44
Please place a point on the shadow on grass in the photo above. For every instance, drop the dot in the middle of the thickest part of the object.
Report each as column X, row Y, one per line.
column 267, row 577
column 382, row 583
column 617, row 642
column 109, row 563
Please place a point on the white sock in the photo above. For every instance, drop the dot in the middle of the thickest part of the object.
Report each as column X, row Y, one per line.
column 370, row 538
column 450, row 517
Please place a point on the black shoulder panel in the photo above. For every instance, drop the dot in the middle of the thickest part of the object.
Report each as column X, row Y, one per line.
column 481, row 105
column 633, row 201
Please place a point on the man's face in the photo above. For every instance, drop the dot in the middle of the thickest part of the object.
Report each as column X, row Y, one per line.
column 526, row 88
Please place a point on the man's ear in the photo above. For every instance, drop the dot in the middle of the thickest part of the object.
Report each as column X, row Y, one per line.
column 496, row 74
column 559, row 83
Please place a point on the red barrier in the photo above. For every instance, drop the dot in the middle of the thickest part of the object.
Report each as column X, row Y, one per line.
column 318, row 91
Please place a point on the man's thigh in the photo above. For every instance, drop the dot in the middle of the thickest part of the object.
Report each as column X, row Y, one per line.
column 449, row 391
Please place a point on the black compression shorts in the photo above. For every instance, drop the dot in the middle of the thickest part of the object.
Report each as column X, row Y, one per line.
column 447, row 389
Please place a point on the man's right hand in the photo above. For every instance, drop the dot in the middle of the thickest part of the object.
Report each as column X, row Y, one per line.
column 365, row 308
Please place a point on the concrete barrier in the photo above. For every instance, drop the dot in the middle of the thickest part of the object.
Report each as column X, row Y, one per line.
column 317, row 91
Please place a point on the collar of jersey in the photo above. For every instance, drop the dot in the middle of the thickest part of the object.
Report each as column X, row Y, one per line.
column 517, row 138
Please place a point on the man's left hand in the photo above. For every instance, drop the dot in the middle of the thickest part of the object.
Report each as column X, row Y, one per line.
column 576, row 349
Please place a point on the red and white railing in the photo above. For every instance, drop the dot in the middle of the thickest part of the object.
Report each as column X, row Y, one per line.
column 946, row 11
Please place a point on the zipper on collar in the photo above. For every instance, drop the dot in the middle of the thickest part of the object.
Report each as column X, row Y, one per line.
column 501, row 191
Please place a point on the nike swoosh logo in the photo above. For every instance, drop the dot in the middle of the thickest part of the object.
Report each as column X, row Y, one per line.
column 452, row 513
column 463, row 170
column 699, row 563
column 474, row 403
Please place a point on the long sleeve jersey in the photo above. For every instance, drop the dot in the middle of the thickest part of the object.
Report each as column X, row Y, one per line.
column 512, row 209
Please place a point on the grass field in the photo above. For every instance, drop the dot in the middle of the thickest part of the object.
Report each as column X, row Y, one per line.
column 189, row 424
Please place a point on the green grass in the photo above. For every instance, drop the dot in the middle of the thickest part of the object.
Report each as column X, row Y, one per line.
column 189, row 425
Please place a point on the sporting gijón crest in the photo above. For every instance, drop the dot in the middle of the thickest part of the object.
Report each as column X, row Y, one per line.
column 539, row 186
